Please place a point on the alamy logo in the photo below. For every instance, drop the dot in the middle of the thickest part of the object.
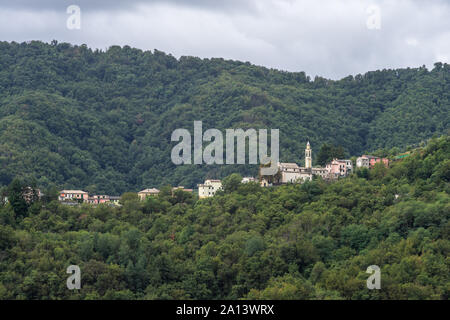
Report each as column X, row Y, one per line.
column 374, row 20
column 74, row 281
column 374, row 281
column 213, row 153
column 74, row 20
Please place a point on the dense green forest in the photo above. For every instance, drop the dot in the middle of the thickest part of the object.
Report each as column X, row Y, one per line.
column 73, row 117
column 308, row 241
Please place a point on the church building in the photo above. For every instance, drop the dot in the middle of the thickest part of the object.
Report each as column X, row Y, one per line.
column 292, row 173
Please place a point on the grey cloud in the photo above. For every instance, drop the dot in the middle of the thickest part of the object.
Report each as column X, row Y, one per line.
column 327, row 38
column 106, row 5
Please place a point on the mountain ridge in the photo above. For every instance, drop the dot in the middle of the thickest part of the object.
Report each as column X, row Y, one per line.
column 81, row 118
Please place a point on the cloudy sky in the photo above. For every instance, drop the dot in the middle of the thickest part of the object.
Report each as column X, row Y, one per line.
column 330, row 38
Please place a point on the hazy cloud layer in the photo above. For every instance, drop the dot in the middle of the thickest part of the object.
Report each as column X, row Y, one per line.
column 328, row 37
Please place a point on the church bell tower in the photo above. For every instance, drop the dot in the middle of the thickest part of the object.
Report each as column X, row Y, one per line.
column 308, row 158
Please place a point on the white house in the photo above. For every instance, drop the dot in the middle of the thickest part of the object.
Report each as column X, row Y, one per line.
column 68, row 195
column 363, row 162
column 248, row 179
column 209, row 188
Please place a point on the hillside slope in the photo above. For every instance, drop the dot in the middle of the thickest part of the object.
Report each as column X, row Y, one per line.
column 299, row 241
column 102, row 121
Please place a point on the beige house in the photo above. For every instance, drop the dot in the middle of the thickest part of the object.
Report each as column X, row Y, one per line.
column 363, row 162
column 147, row 193
column 248, row 179
column 182, row 189
column 264, row 182
column 115, row 200
column 321, row 172
column 209, row 188
column 292, row 173
column 70, row 195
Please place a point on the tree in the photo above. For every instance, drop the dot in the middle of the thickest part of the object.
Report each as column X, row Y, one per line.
column 362, row 173
column 231, row 183
column 50, row 194
column 129, row 196
column 378, row 171
column 3, row 195
column 254, row 245
column 328, row 152
column 16, row 198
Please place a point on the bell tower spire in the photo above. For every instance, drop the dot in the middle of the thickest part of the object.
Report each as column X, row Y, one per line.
column 308, row 157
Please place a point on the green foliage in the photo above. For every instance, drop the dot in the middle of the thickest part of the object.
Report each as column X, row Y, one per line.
column 231, row 183
column 73, row 117
column 129, row 196
column 254, row 245
column 309, row 241
column 16, row 199
column 21, row 195
column 328, row 152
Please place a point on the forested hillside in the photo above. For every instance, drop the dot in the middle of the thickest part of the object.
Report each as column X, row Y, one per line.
column 101, row 121
column 308, row 241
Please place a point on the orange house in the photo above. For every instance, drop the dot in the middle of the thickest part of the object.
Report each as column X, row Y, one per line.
column 375, row 160
column 68, row 195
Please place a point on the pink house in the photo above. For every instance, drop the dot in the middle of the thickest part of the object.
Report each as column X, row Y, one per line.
column 338, row 168
column 99, row 199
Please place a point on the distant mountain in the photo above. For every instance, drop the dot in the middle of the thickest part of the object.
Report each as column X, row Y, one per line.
column 102, row 121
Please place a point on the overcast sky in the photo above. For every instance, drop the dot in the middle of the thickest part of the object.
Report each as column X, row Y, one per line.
column 330, row 38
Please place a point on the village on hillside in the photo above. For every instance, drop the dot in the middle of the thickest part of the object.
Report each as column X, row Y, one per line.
column 287, row 173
